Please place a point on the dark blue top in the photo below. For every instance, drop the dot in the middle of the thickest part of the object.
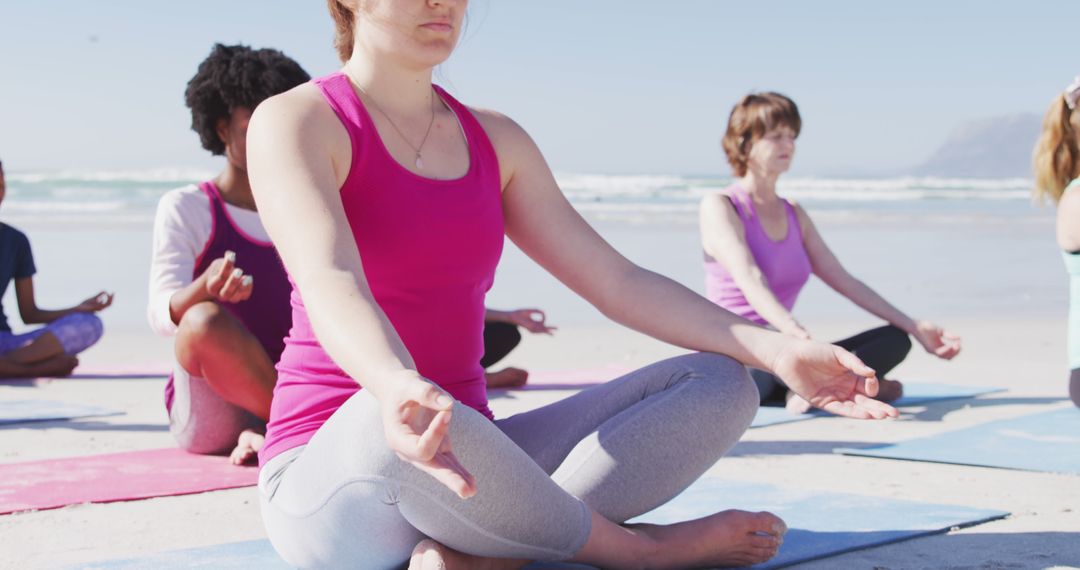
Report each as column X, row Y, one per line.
column 16, row 262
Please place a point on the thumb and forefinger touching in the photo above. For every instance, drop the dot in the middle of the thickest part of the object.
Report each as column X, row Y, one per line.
column 423, row 438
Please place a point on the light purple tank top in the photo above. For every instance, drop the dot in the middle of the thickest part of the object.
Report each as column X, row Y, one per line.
column 784, row 263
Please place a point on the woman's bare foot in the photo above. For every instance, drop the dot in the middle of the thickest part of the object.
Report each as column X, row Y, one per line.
column 506, row 378
column 59, row 365
column 430, row 555
column 728, row 538
column 889, row 390
column 247, row 446
column 796, row 404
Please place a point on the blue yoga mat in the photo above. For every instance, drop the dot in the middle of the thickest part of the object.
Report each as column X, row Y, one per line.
column 918, row 393
column 769, row 416
column 821, row 525
column 915, row 394
column 19, row 411
column 249, row 554
column 1047, row 441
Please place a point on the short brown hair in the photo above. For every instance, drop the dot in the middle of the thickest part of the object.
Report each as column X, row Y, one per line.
column 752, row 117
column 344, row 28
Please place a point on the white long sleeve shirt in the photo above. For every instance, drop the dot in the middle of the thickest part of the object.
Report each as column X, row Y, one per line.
column 182, row 229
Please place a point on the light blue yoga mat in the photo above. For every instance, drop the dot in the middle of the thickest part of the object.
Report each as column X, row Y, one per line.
column 915, row 394
column 918, row 393
column 19, row 411
column 1047, row 441
column 821, row 525
column 249, row 554
column 770, row 416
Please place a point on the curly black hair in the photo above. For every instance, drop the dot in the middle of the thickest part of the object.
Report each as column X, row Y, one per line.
column 236, row 76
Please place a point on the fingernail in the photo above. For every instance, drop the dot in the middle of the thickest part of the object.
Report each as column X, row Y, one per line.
column 444, row 401
column 230, row 256
column 247, row 280
column 237, row 272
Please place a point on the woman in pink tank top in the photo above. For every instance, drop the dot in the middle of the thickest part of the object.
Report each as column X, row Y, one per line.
column 760, row 250
column 388, row 201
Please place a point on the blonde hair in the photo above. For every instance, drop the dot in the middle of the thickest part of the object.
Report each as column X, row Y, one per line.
column 1057, row 154
column 344, row 28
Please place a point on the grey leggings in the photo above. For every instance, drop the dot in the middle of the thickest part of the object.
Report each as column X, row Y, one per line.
column 622, row 448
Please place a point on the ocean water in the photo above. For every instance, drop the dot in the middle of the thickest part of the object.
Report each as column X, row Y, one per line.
column 935, row 247
column 130, row 197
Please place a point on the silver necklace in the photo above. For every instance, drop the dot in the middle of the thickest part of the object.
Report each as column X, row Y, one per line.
column 416, row 149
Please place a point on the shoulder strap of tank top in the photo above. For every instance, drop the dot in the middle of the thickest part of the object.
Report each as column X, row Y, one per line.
column 463, row 113
column 740, row 202
column 339, row 93
column 217, row 204
column 793, row 219
column 474, row 132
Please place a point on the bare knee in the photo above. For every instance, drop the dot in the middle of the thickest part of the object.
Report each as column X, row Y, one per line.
column 205, row 320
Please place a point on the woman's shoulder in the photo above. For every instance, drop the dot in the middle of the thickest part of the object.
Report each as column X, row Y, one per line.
column 1068, row 218
column 294, row 108
column 12, row 234
column 499, row 127
column 718, row 207
column 1070, row 197
column 183, row 198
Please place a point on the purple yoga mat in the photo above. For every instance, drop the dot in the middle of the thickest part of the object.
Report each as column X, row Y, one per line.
column 128, row 476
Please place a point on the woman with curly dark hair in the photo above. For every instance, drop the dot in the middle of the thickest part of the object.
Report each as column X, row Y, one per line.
column 209, row 250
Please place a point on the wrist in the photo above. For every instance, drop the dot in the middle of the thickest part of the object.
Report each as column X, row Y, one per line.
column 384, row 383
column 908, row 325
column 764, row 347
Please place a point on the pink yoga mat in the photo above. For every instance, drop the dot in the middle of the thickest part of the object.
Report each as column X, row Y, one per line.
column 128, row 476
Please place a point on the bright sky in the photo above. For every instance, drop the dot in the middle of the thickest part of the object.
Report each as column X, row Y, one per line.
column 603, row 86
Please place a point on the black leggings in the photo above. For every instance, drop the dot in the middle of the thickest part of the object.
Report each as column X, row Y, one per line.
column 882, row 349
column 1074, row 386
column 499, row 339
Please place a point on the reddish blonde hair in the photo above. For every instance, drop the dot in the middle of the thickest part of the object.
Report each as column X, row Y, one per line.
column 752, row 117
column 344, row 28
column 1057, row 154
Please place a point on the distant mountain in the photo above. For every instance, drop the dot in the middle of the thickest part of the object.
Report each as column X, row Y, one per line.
column 996, row 147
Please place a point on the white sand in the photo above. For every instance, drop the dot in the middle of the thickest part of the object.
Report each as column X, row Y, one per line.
column 1002, row 291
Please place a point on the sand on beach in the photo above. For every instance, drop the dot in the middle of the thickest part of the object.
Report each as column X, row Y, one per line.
column 998, row 285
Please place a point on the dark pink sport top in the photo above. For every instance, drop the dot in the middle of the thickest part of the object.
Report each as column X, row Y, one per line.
column 429, row 250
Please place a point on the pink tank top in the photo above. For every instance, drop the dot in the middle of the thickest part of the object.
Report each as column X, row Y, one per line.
column 429, row 250
column 784, row 263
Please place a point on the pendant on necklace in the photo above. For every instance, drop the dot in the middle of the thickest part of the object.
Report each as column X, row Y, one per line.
column 419, row 163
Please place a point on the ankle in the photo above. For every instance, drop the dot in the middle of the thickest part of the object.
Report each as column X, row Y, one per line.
column 649, row 553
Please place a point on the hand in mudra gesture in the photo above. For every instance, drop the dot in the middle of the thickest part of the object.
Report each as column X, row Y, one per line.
column 832, row 379
column 416, row 419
